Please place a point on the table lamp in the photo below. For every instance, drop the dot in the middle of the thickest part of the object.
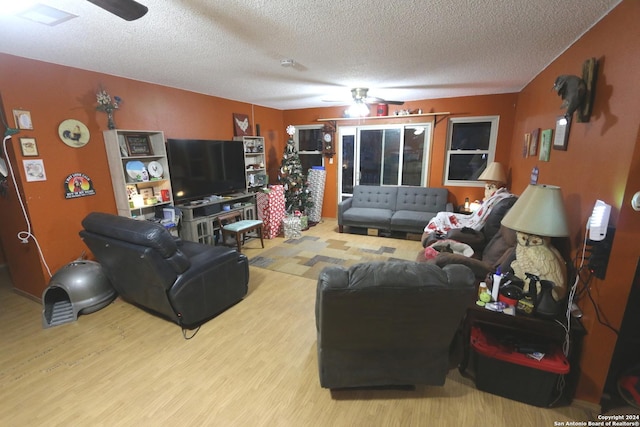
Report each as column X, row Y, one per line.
column 493, row 172
column 538, row 215
column 495, row 178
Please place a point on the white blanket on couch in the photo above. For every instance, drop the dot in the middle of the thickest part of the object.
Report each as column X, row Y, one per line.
column 445, row 221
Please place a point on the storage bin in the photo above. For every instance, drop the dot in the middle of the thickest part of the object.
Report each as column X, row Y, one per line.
column 501, row 370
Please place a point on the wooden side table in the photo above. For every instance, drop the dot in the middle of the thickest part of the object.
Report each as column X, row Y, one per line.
column 547, row 329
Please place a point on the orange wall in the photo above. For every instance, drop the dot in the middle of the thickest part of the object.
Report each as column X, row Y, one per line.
column 601, row 162
column 54, row 93
column 500, row 105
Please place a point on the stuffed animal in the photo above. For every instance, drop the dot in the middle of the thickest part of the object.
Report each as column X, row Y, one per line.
column 535, row 255
column 572, row 90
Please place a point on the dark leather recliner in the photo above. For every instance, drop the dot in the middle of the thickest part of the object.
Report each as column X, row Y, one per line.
column 185, row 282
column 477, row 239
column 493, row 245
column 389, row 323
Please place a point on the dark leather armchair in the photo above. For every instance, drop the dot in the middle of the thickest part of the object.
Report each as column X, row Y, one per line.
column 185, row 282
column 389, row 323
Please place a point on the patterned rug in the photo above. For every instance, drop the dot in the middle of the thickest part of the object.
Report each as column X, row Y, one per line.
column 308, row 255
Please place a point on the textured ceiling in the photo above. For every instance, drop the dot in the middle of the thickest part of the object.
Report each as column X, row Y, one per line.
column 402, row 50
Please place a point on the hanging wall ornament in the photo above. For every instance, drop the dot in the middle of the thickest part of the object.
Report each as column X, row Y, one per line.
column 74, row 133
column 241, row 125
column 108, row 105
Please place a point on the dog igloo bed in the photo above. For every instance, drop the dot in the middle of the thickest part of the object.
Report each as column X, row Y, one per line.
column 79, row 287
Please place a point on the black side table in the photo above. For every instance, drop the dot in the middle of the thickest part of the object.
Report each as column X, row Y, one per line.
column 461, row 209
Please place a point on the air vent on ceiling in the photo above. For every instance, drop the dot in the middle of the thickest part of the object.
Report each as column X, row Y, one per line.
column 46, row 15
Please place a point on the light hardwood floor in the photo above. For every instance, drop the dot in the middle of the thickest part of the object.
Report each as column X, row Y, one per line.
column 253, row 365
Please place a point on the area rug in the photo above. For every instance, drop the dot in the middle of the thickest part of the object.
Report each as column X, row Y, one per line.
column 308, row 255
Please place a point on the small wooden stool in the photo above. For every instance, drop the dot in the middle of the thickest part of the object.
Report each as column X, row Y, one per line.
column 239, row 227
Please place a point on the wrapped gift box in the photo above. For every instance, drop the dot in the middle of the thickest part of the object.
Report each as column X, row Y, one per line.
column 317, row 176
column 304, row 222
column 271, row 210
column 292, row 227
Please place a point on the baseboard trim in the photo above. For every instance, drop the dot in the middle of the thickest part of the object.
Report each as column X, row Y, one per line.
column 27, row 295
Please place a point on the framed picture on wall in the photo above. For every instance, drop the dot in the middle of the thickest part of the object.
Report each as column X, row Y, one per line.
column 28, row 147
column 525, row 144
column 545, row 144
column 562, row 133
column 23, row 119
column 138, row 145
column 241, row 125
column 34, row 170
column 533, row 146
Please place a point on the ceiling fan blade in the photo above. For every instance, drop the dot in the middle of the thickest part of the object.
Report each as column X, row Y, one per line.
column 375, row 100
column 359, row 94
column 129, row 10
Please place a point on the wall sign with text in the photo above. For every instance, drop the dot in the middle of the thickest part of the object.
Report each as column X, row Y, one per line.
column 78, row 185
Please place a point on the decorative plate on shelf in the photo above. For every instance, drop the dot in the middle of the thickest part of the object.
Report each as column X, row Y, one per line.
column 74, row 133
column 155, row 169
column 137, row 171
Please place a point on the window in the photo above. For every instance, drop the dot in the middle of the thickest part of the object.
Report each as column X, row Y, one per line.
column 309, row 144
column 383, row 155
column 471, row 144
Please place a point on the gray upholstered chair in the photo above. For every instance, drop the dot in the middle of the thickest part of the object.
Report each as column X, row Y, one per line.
column 389, row 323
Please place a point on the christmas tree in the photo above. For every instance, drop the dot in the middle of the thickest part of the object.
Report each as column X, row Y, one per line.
column 296, row 192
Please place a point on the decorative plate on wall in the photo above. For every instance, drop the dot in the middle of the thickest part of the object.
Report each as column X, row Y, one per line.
column 74, row 133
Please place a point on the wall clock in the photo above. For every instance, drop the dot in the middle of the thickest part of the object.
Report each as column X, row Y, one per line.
column 327, row 145
column 328, row 138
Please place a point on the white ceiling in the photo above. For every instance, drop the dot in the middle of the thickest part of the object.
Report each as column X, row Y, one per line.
column 402, row 50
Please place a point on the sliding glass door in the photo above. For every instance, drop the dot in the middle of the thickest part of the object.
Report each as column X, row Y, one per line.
column 383, row 155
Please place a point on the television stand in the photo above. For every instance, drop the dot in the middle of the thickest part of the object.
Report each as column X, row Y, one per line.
column 199, row 219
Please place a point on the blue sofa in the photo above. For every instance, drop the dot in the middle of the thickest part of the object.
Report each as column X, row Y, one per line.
column 392, row 208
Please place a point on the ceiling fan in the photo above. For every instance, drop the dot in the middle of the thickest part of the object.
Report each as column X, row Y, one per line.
column 359, row 102
column 359, row 95
column 129, row 10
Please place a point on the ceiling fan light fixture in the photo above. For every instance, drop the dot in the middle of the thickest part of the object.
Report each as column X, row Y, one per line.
column 359, row 93
column 358, row 109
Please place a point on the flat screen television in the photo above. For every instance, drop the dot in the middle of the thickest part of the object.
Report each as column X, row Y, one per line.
column 200, row 168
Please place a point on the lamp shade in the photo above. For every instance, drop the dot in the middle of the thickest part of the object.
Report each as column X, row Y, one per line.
column 540, row 211
column 493, row 172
